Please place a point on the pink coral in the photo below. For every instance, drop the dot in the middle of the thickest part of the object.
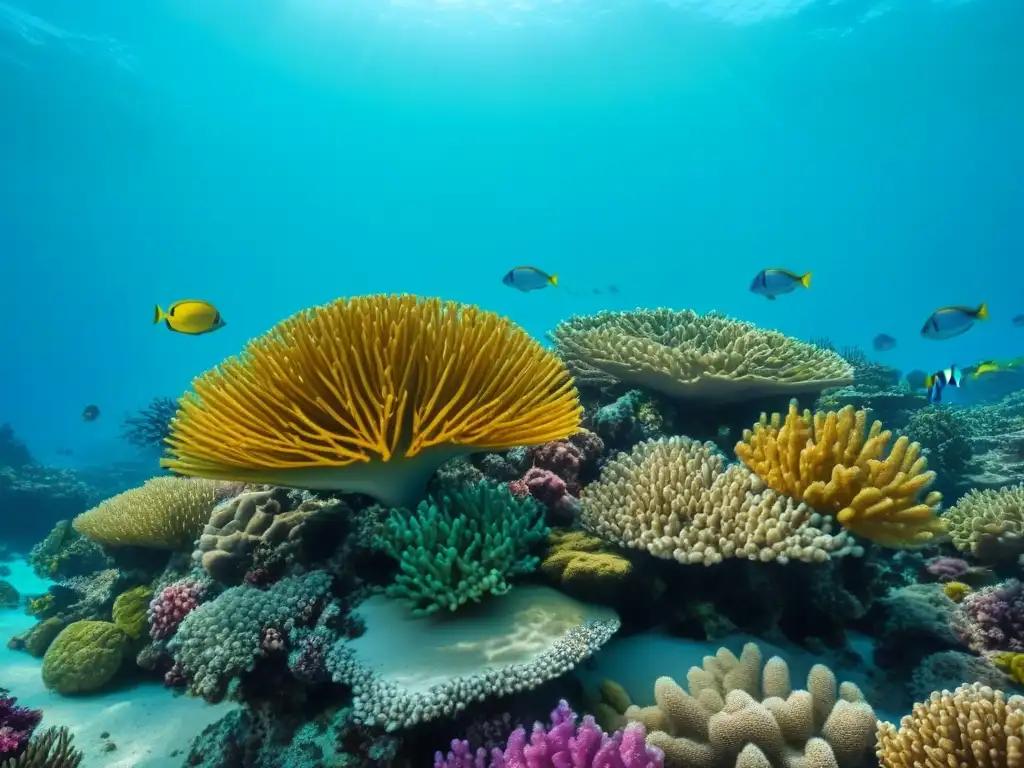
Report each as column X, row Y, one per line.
column 16, row 726
column 169, row 608
column 947, row 568
column 992, row 619
column 560, row 457
column 564, row 745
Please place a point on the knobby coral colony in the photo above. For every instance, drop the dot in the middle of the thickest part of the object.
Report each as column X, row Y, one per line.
column 413, row 614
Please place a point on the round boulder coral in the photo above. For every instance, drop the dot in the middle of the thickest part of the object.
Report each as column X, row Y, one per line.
column 84, row 657
column 130, row 611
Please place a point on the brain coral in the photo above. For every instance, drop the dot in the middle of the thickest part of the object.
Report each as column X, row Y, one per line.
column 736, row 714
column 711, row 358
column 972, row 726
column 164, row 513
column 989, row 524
column 834, row 464
column 84, row 657
column 677, row 499
column 372, row 394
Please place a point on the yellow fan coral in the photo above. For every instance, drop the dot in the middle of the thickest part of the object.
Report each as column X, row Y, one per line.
column 972, row 726
column 163, row 513
column 711, row 358
column 989, row 524
column 372, row 394
column 834, row 464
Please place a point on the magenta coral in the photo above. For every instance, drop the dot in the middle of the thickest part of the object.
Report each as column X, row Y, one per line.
column 172, row 605
column 561, row 458
column 16, row 726
column 947, row 568
column 564, row 745
column 992, row 619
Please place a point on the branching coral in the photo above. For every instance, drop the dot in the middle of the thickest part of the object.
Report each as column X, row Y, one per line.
column 16, row 725
column 372, row 394
column 164, row 513
column 49, row 749
column 972, row 726
column 461, row 546
column 736, row 714
column 676, row 499
column 710, row 358
column 836, row 465
column 149, row 427
column 989, row 524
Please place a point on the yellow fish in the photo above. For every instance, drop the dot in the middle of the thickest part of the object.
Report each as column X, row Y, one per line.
column 190, row 316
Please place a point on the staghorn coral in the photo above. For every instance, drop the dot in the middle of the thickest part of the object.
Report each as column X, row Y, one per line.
column 972, row 726
column 49, row 749
column 736, row 714
column 461, row 546
column 835, row 465
column 710, row 358
column 676, row 499
column 989, row 524
column 164, row 513
column 372, row 394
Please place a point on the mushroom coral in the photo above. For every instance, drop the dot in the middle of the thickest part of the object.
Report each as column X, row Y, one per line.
column 371, row 395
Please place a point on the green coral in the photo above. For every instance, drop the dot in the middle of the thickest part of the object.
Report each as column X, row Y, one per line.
column 84, row 657
column 38, row 606
column 461, row 545
column 130, row 610
column 37, row 639
column 9, row 597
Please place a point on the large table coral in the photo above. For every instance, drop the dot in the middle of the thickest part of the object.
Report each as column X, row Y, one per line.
column 677, row 499
column 835, row 464
column 372, row 394
column 711, row 358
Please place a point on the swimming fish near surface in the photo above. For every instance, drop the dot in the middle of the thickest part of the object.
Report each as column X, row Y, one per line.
column 529, row 279
column 1018, row 321
column 883, row 342
column 775, row 282
column 948, row 322
column 938, row 381
column 91, row 413
column 190, row 316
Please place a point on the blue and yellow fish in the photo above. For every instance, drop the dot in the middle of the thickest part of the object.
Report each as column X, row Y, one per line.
column 948, row 322
column 775, row 282
column 938, row 381
column 190, row 316
column 529, row 279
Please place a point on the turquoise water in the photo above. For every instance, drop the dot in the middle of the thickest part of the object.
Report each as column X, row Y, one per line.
column 271, row 156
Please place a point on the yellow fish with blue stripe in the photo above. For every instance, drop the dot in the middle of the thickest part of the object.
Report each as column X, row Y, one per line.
column 190, row 316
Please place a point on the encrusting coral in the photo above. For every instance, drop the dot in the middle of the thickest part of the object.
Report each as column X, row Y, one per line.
column 584, row 566
column 711, row 358
column 372, row 394
column 989, row 524
column 736, row 714
column 163, row 513
column 1012, row 664
column 836, row 465
column 676, row 499
column 461, row 545
column 972, row 726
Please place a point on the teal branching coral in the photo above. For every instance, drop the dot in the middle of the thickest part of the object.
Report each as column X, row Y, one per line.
column 461, row 545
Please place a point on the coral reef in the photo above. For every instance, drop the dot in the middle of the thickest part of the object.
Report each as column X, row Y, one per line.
column 834, row 464
column 972, row 726
column 150, row 426
column 9, row 597
column 735, row 713
column 461, row 545
column 372, row 394
column 676, row 499
column 49, row 749
column 164, row 513
column 564, row 743
column 948, row 669
column 16, row 726
column 992, row 619
column 64, row 554
column 170, row 607
column 129, row 611
column 989, row 524
column 1012, row 664
column 944, row 437
column 584, row 566
column 707, row 358
column 84, row 657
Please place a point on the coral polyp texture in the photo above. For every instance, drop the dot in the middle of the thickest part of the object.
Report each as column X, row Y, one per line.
column 737, row 714
column 972, row 726
column 992, row 619
column 163, row 513
column 372, row 394
column 835, row 464
column 677, row 499
column 989, row 524
column 711, row 358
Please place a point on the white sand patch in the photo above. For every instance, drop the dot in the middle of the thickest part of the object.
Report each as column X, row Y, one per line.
column 150, row 726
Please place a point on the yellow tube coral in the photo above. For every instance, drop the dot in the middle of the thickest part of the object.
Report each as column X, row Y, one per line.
column 834, row 463
column 372, row 394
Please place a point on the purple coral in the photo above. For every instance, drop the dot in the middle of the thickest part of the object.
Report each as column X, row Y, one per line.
column 992, row 619
column 172, row 605
column 16, row 726
column 561, row 458
column 564, row 745
column 947, row 568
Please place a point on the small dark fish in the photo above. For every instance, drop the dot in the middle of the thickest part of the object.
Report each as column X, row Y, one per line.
column 883, row 342
column 597, row 291
column 91, row 413
column 948, row 322
column 612, row 289
column 1018, row 321
column 938, row 381
column 65, row 452
column 529, row 279
column 775, row 282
